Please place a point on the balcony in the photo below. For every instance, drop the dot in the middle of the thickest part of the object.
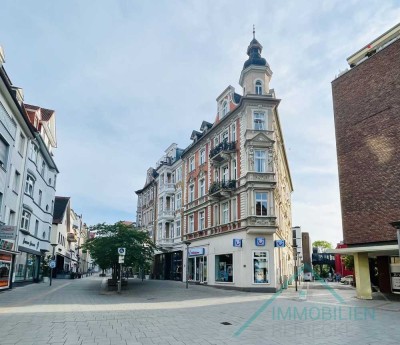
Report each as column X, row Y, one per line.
column 168, row 242
column 167, row 214
column 168, row 188
column 71, row 237
column 222, row 189
column 222, row 152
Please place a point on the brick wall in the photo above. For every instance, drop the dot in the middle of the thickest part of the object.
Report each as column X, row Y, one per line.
column 366, row 103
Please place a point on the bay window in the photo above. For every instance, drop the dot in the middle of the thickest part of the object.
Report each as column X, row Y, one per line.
column 261, row 203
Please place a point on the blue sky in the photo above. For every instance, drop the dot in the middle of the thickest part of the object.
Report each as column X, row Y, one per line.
column 127, row 78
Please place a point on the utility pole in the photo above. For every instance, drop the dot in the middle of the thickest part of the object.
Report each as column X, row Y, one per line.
column 188, row 243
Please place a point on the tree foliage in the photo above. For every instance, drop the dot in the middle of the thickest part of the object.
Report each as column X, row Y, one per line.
column 322, row 244
column 104, row 247
column 348, row 261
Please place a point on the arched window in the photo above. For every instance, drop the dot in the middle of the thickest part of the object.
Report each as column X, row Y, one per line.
column 258, row 87
column 224, row 108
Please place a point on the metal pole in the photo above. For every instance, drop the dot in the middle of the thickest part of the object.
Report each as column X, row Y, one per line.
column 120, row 278
column 51, row 268
column 187, row 266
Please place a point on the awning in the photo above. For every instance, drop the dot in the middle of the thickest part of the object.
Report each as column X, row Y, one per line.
column 381, row 250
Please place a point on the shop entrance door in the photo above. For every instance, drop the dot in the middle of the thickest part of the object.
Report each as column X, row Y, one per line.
column 203, row 269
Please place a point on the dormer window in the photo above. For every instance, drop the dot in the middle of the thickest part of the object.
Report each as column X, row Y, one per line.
column 258, row 88
column 224, row 108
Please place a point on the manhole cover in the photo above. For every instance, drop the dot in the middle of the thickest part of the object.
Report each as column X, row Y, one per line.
column 226, row 323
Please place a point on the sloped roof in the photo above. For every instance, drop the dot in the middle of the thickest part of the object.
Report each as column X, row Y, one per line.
column 60, row 206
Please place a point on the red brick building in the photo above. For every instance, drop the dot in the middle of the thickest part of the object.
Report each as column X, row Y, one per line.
column 366, row 102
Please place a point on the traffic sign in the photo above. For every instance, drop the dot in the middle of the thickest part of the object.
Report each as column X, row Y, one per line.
column 52, row 264
column 121, row 251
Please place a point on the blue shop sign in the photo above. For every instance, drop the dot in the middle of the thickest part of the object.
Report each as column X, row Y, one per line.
column 237, row 242
column 280, row 243
column 260, row 241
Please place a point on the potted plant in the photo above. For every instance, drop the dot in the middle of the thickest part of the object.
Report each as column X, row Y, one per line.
column 45, row 268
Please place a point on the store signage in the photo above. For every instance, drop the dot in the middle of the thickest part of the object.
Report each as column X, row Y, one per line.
column 237, row 242
column 6, row 245
column 8, row 232
column 260, row 241
column 196, row 251
column 395, row 275
column 280, row 243
column 5, row 257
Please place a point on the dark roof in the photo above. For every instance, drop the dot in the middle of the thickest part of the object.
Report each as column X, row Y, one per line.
column 205, row 125
column 196, row 135
column 254, row 52
column 60, row 205
column 237, row 98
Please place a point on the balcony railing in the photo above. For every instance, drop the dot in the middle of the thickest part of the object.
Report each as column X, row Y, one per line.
column 224, row 147
column 168, row 213
column 221, row 188
column 167, row 187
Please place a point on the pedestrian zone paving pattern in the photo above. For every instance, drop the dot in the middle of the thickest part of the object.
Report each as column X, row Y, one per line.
column 75, row 312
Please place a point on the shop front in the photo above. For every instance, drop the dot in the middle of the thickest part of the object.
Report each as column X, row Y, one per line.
column 197, row 265
column 5, row 270
column 168, row 266
column 7, row 255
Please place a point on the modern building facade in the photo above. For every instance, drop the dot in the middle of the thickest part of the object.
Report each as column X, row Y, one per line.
column 233, row 202
column 366, row 102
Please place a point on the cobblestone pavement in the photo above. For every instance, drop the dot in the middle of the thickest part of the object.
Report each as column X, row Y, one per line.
column 75, row 312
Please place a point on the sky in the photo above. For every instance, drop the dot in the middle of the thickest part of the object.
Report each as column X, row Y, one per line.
column 128, row 78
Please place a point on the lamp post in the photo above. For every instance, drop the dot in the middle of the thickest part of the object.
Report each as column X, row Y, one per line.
column 54, row 245
column 396, row 225
column 188, row 243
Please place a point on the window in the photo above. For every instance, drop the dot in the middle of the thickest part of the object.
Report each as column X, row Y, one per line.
column 202, row 187
column 216, row 215
column 21, row 144
column 3, row 153
column 201, row 220
column 234, row 171
column 26, row 216
column 259, row 121
column 260, row 267
column 17, row 178
column 260, row 161
column 191, row 192
column 52, row 206
column 44, row 235
column 34, row 153
column 233, row 132
column 234, row 210
column 225, row 136
column 224, row 108
column 225, row 173
column 191, row 224
column 191, row 163
column 48, row 236
column 202, row 156
column 40, row 198
column 36, row 227
column 216, row 175
column 178, row 201
column 30, row 182
column 178, row 228
column 258, row 87
column 224, row 268
column 225, row 213
column 261, row 204
column 216, row 141
column 179, row 174
column 11, row 218
column 43, row 168
column 55, row 180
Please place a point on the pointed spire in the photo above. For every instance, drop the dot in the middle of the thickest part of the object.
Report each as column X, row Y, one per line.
column 254, row 32
column 254, row 52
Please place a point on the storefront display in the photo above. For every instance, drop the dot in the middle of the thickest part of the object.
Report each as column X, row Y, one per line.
column 224, row 268
column 26, row 267
column 260, row 267
column 5, row 269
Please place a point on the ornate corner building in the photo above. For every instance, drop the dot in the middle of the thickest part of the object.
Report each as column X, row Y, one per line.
column 229, row 193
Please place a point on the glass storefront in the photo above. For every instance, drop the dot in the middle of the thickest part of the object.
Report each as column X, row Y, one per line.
column 224, row 268
column 260, row 267
column 198, row 269
column 5, row 269
column 26, row 267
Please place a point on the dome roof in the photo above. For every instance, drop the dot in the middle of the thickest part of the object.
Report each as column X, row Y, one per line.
column 254, row 53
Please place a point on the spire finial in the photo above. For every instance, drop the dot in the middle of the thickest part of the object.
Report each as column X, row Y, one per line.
column 254, row 31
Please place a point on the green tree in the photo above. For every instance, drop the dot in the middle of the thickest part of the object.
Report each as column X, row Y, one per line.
column 348, row 261
column 109, row 237
column 322, row 244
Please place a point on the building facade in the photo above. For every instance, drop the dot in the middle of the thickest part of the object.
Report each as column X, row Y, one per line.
column 366, row 102
column 234, row 201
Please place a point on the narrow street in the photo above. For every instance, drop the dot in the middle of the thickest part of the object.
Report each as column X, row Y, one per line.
column 163, row 312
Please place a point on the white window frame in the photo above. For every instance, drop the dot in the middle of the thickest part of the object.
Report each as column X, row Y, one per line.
column 191, row 224
column 260, row 161
column 178, row 174
column 202, row 156
column 234, row 169
column 225, row 213
column 216, row 215
column 259, row 121
column 225, row 173
column 178, row 201
column 258, row 196
column 21, row 145
column 25, row 220
column 233, row 132
column 225, row 136
column 234, row 209
column 29, row 185
column 266, row 258
column 202, row 187
column 224, row 108
column 17, row 179
column 191, row 192
column 258, row 87
column 178, row 228
column 191, row 163
column 202, row 220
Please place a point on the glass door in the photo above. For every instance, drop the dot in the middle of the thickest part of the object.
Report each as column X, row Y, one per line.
column 203, row 269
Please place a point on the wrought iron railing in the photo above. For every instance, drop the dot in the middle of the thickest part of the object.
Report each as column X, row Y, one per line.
column 221, row 186
column 224, row 146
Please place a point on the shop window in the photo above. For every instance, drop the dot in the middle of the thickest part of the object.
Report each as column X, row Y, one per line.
column 224, row 268
column 260, row 267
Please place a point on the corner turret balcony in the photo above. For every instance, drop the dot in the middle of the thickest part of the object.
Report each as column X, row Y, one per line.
column 167, row 214
column 222, row 152
column 71, row 237
column 222, row 189
column 168, row 188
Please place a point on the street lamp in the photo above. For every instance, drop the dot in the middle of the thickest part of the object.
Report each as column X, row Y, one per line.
column 396, row 225
column 188, row 243
column 54, row 245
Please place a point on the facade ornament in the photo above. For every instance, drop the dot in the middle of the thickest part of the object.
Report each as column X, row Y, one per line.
column 251, row 158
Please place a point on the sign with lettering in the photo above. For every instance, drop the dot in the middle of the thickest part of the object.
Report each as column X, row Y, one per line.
column 8, row 232
column 6, row 245
column 196, row 251
column 237, row 242
column 280, row 243
column 260, row 241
